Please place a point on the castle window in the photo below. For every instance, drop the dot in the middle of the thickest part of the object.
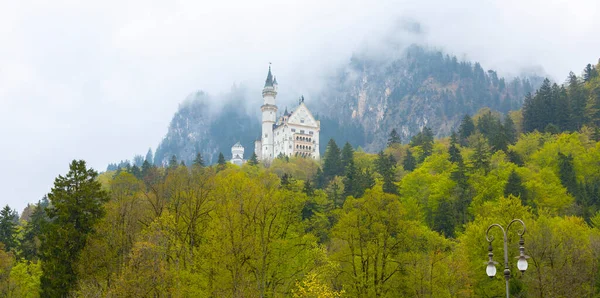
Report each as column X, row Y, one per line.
column 293, row 130
column 266, row 135
column 301, row 120
column 302, row 131
column 310, row 132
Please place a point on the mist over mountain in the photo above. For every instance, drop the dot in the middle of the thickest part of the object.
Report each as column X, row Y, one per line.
column 360, row 103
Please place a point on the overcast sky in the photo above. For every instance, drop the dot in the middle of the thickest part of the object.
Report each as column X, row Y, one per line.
column 100, row 80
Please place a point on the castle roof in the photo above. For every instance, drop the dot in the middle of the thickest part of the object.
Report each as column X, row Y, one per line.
column 238, row 144
column 269, row 80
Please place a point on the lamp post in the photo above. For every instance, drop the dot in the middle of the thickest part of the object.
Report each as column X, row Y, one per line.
column 522, row 258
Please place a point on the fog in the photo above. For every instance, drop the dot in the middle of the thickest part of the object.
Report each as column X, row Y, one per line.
column 100, row 81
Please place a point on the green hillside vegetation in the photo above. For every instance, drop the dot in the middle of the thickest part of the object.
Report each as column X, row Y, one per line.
column 409, row 221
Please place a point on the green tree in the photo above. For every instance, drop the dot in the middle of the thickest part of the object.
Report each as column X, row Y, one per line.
column 466, row 129
column 221, row 161
column 394, row 138
column 453, row 150
column 332, row 166
column 577, row 102
column 409, row 163
column 347, row 156
column 566, row 172
column 76, row 205
column 386, row 167
column 8, row 227
column 481, row 156
column 173, row 162
column 32, row 231
column 149, row 156
column 514, row 186
column 199, row 161
column 253, row 159
column 424, row 139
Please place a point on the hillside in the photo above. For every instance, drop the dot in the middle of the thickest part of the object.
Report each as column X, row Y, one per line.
column 362, row 103
column 419, row 88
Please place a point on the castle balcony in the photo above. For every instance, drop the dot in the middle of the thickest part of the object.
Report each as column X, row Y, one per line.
column 304, row 145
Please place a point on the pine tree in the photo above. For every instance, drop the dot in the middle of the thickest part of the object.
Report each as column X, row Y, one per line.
column 453, row 151
column 76, row 205
column 332, row 166
column 426, row 143
column 308, row 189
column 482, row 155
column 221, row 161
column 199, row 161
column 394, row 138
column 514, row 186
column 149, row 156
column 32, row 232
column 350, row 180
column 509, row 129
column 466, row 129
column 566, row 173
column 182, row 163
column 137, row 172
column 8, row 228
column 173, row 162
column 386, row 168
column 145, row 168
column 253, row 159
column 409, row 163
column 320, row 180
column 589, row 72
column 347, row 155
column 577, row 102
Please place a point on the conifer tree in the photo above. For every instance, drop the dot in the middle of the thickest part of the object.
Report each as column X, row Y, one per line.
column 347, row 156
column 320, row 179
column 221, row 161
column 394, row 138
column 514, row 186
column 173, row 162
column 385, row 167
column 589, row 72
column 466, row 129
column 182, row 163
column 308, row 189
column 32, row 232
column 577, row 102
column 135, row 171
column 409, row 163
column 332, row 166
column 76, row 205
column 198, row 161
column 566, row 172
column 481, row 156
column 453, row 151
column 253, row 159
column 8, row 228
column 350, row 180
column 149, row 156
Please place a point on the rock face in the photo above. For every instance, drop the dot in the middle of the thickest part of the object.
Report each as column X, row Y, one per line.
column 420, row 88
column 362, row 103
column 200, row 127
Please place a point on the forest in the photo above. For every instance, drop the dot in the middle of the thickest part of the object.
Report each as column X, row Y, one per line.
column 408, row 221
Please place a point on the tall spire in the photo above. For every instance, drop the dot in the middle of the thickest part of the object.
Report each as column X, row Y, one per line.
column 269, row 80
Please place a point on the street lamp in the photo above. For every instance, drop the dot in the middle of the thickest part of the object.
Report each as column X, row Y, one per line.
column 522, row 258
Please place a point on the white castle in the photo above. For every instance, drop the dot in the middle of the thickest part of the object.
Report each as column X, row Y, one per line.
column 294, row 133
column 237, row 154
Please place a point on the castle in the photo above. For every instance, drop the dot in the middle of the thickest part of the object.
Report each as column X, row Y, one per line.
column 294, row 133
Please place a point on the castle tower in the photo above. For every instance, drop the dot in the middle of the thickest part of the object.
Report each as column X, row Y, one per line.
column 237, row 154
column 269, row 112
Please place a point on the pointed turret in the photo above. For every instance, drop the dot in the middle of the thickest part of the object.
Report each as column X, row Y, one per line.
column 286, row 112
column 269, row 80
